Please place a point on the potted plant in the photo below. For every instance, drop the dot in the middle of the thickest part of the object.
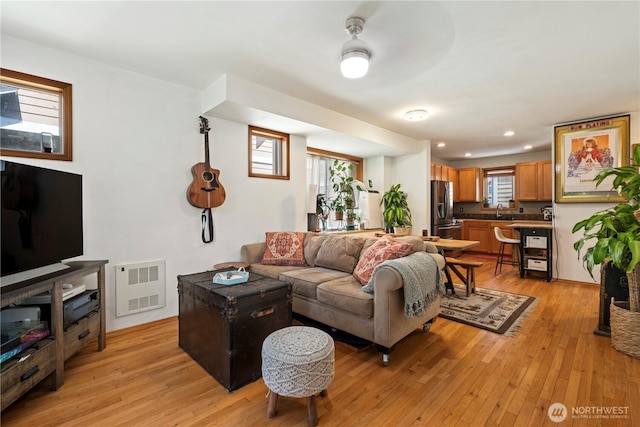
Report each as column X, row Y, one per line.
column 396, row 212
column 344, row 185
column 322, row 210
column 338, row 208
column 485, row 202
column 616, row 232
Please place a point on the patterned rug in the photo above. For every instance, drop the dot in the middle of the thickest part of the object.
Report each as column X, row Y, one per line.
column 495, row 311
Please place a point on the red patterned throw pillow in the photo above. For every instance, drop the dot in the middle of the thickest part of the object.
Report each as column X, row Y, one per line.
column 385, row 248
column 284, row 248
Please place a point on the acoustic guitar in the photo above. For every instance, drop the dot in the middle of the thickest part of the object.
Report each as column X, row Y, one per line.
column 205, row 191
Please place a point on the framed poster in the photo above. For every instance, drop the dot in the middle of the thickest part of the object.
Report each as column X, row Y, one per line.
column 35, row 118
column 582, row 150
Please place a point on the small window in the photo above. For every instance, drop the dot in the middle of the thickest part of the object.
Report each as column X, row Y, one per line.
column 268, row 153
column 499, row 185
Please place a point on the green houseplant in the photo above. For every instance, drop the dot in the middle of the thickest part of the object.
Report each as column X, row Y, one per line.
column 344, row 186
column 616, row 233
column 396, row 212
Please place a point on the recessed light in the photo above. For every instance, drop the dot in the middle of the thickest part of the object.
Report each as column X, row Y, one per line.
column 441, row 144
column 416, row 115
column 509, row 133
column 467, row 154
column 528, row 147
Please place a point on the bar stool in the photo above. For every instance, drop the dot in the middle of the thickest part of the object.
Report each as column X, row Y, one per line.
column 515, row 254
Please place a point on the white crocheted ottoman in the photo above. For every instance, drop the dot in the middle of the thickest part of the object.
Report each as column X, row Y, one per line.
column 297, row 361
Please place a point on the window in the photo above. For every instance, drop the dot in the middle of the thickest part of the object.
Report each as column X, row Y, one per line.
column 268, row 153
column 35, row 116
column 318, row 164
column 499, row 185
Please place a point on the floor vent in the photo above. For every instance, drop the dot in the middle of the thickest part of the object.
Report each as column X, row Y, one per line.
column 139, row 287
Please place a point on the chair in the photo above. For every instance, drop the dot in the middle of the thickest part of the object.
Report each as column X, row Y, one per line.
column 515, row 254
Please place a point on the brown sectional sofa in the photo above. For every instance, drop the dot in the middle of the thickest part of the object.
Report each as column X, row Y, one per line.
column 326, row 291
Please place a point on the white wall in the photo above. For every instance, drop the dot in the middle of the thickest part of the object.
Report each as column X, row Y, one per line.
column 135, row 139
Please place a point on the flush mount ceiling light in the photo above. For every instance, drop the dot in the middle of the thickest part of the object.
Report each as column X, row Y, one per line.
column 509, row 133
column 355, row 53
column 416, row 115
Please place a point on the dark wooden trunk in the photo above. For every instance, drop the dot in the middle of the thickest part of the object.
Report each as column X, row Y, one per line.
column 222, row 327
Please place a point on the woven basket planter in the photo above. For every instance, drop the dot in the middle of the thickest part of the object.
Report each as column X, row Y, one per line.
column 625, row 329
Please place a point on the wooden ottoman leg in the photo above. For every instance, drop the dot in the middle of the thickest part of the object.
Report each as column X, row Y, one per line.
column 312, row 410
column 273, row 403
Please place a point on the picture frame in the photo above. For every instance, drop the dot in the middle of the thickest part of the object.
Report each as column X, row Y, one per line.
column 36, row 117
column 582, row 150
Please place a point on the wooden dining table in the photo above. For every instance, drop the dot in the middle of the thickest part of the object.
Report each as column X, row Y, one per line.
column 452, row 245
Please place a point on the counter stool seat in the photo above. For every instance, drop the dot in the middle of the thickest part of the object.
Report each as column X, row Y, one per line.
column 515, row 254
column 297, row 361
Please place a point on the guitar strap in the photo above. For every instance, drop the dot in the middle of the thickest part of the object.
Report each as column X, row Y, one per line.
column 207, row 226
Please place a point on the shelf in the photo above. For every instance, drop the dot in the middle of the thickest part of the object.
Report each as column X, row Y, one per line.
column 46, row 357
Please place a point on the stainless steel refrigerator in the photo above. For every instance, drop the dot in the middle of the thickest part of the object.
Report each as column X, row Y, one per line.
column 442, row 221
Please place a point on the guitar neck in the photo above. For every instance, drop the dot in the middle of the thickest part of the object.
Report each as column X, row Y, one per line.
column 206, row 151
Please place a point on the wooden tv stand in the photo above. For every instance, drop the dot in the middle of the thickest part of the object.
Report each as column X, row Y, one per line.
column 46, row 358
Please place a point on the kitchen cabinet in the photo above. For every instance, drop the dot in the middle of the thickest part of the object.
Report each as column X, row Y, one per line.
column 469, row 180
column 545, row 188
column 533, row 181
column 452, row 176
column 436, row 172
column 477, row 230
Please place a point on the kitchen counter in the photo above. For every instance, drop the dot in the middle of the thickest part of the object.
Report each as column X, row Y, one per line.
column 532, row 224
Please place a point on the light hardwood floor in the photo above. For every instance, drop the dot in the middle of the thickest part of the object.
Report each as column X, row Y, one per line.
column 456, row 375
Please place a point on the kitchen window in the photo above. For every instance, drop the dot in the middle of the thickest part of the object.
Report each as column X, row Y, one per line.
column 499, row 185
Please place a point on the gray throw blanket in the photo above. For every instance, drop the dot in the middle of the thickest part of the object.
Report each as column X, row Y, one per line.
column 422, row 281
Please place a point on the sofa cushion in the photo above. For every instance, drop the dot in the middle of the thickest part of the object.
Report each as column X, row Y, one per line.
column 416, row 241
column 385, row 248
column 284, row 248
column 339, row 253
column 312, row 244
column 346, row 293
column 305, row 281
column 272, row 271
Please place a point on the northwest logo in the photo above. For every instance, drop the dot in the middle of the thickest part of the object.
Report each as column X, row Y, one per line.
column 557, row 412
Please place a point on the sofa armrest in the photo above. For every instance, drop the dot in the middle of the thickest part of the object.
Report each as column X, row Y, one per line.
column 252, row 253
column 430, row 247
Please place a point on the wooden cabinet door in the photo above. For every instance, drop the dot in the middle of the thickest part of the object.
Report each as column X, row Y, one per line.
column 527, row 181
column 545, row 178
column 453, row 177
column 477, row 230
column 469, row 179
column 437, row 172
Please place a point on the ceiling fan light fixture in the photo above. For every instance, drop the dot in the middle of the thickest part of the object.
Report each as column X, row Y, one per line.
column 416, row 115
column 355, row 53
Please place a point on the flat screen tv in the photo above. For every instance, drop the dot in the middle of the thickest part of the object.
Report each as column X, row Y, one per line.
column 41, row 220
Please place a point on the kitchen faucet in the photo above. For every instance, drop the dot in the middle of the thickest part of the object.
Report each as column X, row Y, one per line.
column 498, row 215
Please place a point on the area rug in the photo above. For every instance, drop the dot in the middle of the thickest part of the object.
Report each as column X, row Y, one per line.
column 495, row 311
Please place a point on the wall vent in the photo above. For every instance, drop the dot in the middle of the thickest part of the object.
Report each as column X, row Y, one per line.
column 139, row 287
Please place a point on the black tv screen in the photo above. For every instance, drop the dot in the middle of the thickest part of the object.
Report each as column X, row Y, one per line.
column 41, row 216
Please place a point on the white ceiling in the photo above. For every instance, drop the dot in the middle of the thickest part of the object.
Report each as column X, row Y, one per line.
column 481, row 67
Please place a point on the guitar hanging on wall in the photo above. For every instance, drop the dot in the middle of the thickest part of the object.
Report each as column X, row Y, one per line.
column 205, row 191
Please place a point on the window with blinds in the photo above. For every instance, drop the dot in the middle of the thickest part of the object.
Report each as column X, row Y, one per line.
column 499, row 185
